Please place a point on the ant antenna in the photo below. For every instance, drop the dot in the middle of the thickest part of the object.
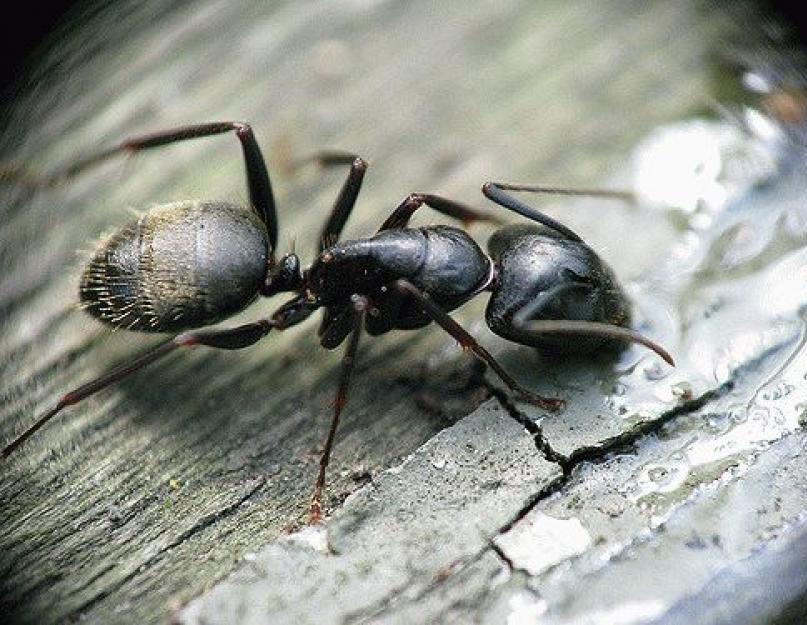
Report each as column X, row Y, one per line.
column 596, row 329
column 614, row 194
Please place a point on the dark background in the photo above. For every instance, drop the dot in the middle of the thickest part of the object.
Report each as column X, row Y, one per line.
column 22, row 35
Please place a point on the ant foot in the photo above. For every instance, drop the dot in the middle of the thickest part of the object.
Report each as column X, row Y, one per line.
column 315, row 512
column 552, row 404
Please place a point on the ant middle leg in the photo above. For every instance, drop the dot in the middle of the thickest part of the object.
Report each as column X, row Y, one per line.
column 359, row 305
column 403, row 213
column 444, row 320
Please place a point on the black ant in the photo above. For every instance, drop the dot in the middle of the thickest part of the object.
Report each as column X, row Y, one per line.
column 189, row 264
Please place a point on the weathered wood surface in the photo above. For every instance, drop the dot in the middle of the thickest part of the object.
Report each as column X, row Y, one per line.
column 143, row 496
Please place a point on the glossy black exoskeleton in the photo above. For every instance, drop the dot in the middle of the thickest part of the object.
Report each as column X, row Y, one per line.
column 543, row 275
column 190, row 264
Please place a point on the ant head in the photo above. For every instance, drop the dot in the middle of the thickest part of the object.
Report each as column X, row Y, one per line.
column 286, row 275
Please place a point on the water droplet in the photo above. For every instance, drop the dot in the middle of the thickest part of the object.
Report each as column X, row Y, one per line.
column 718, row 423
column 654, row 371
column 759, row 413
column 802, row 410
column 738, row 414
column 778, row 391
column 683, row 390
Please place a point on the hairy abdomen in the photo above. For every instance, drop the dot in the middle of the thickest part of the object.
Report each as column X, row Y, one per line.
column 178, row 266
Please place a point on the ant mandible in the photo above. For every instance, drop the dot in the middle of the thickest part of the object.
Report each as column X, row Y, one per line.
column 190, row 264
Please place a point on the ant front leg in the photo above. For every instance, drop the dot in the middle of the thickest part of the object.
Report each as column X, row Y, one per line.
column 232, row 338
column 444, row 320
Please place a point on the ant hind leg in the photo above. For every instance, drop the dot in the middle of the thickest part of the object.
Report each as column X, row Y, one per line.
column 232, row 338
column 261, row 198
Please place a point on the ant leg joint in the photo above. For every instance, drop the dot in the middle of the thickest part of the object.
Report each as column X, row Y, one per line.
column 186, row 339
column 360, row 303
column 242, row 129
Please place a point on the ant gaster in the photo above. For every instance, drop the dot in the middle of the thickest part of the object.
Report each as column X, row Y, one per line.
column 189, row 264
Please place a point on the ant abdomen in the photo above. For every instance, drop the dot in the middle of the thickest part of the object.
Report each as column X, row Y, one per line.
column 178, row 266
column 543, row 275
